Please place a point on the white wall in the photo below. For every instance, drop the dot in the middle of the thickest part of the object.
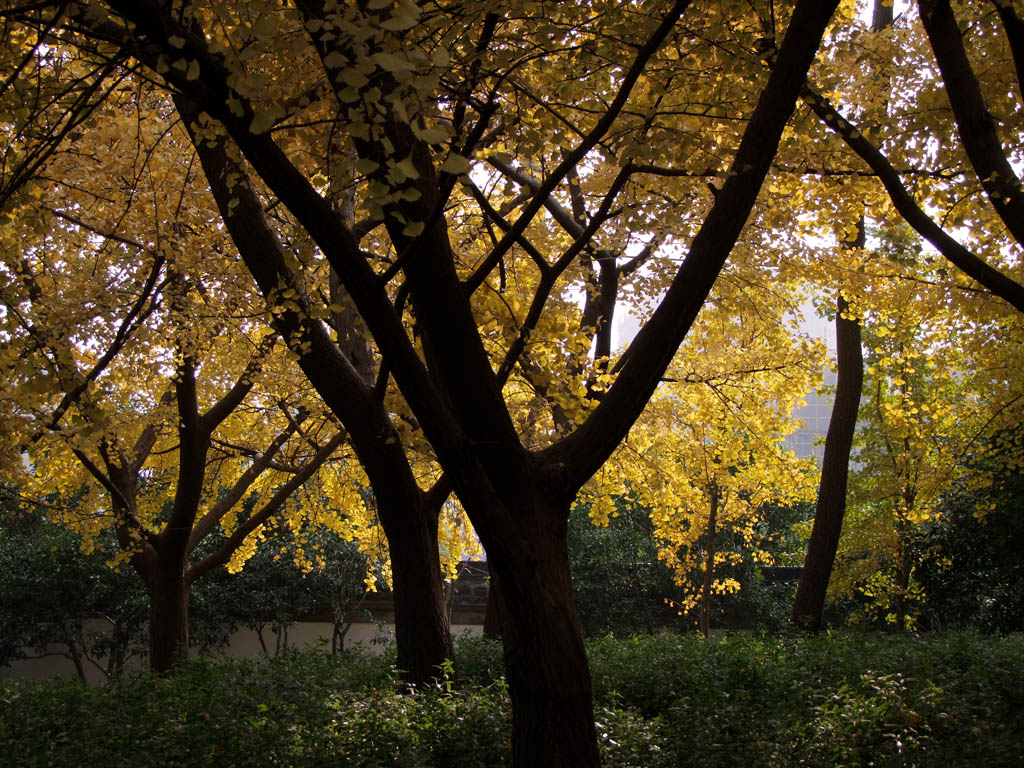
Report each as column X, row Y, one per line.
column 243, row 644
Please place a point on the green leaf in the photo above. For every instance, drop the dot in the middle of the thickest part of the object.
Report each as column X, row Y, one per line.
column 366, row 166
column 334, row 60
column 263, row 120
column 440, row 57
column 399, row 22
column 352, row 77
column 392, row 62
column 408, row 168
column 264, row 28
column 455, row 164
column 435, row 134
column 413, row 228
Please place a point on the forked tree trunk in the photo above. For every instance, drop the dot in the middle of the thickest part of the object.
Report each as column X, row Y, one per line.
column 75, row 653
column 408, row 519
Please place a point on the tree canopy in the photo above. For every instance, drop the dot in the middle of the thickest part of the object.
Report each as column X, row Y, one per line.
column 441, row 207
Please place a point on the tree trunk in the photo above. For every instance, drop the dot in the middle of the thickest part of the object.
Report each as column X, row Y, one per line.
column 74, row 652
column 899, row 607
column 493, row 614
column 168, row 619
column 422, row 631
column 545, row 659
column 903, row 564
column 835, row 465
column 409, row 520
column 709, row 567
column 118, row 649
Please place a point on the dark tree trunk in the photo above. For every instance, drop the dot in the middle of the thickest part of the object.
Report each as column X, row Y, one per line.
column 835, row 465
column 74, row 652
column 408, row 517
column 545, row 659
column 899, row 607
column 903, row 564
column 422, row 631
column 709, row 567
column 168, row 619
column 495, row 608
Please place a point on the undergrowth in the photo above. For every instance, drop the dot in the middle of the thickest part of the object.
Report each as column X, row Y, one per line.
column 950, row 699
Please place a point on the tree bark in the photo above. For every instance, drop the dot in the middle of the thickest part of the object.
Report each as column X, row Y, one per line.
column 835, row 467
column 495, row 608
column 422, row 629
column 709, row 567
column 168, row 617
column 545, row 659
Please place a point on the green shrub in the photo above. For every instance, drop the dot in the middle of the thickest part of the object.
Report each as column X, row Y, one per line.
column 660, row 700
column 479, row 660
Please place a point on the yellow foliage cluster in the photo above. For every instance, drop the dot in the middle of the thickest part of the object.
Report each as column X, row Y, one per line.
column 119, row 245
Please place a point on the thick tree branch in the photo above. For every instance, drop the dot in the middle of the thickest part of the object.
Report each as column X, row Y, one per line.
column 578, row 456
column 1014, row 29
column 342, row 386
column 975, row 123
column 238, row 489
column 264, row 513
column 193, row 445
column 973, row 266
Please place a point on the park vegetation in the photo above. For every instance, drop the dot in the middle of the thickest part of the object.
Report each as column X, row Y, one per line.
column 947, row 700
column 275, row 274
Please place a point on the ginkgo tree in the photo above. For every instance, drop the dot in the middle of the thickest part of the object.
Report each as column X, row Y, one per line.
column 118, row 387
column 279, row 97
column 908, row 130
column 965, row 199
column 105, row 212
column 937, row 399
column 119, row 393
column 708, row 453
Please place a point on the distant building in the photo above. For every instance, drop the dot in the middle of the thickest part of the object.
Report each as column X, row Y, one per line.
column 809, row 439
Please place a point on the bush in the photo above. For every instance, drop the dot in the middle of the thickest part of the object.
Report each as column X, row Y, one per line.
column 51, row 589
column 619, row 583
column 479, row 660
column 972, row 570
column 660, row 700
